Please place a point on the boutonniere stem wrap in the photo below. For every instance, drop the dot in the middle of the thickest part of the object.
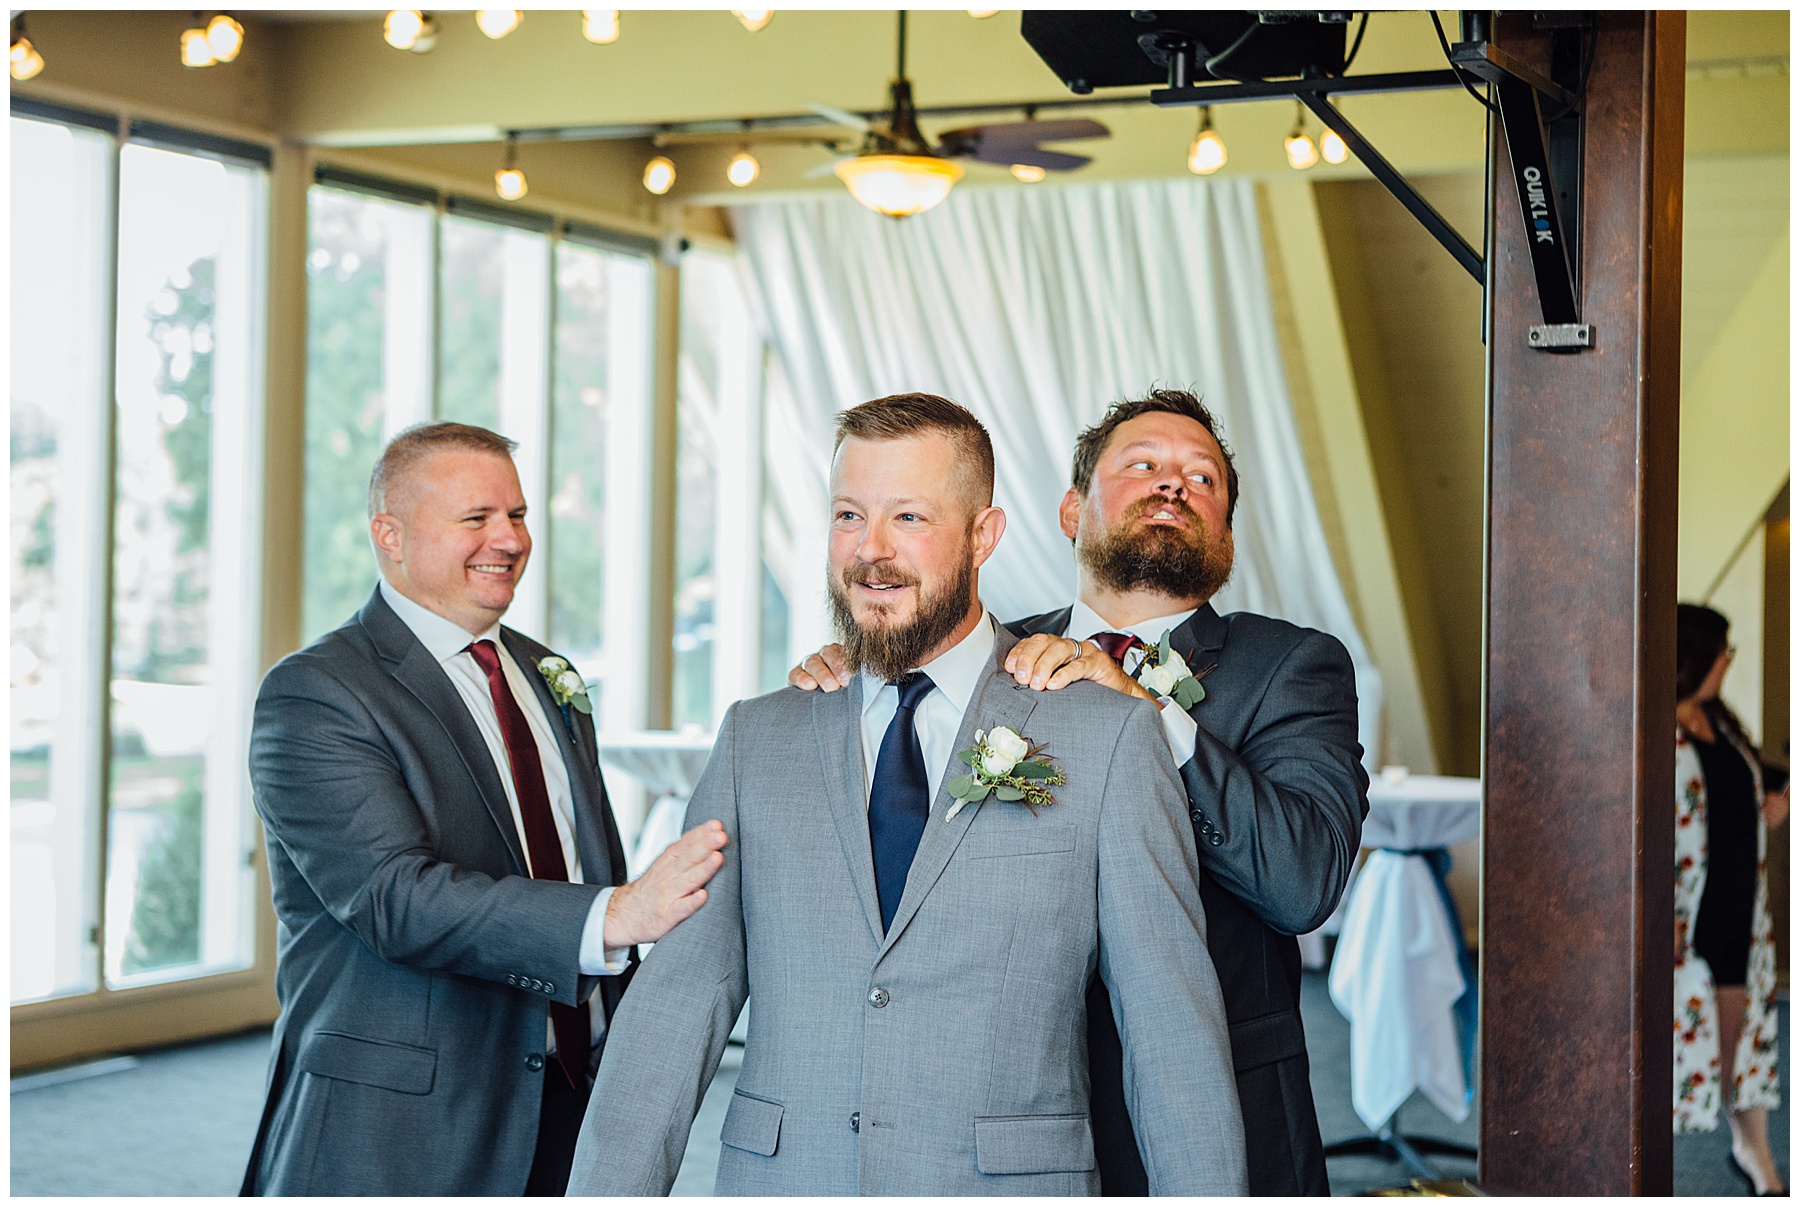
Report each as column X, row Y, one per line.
column 1008, row 767
column 566, row 684
column 1163, row 672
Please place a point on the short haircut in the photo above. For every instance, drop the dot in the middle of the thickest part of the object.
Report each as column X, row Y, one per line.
column 1091, row 443
column 414, row 444
column 900, row 416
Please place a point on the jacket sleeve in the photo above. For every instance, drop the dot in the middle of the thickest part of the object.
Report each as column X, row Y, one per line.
column 1179, row 1082
column 669, row 1031
column 332, row 794
column 1279, row 819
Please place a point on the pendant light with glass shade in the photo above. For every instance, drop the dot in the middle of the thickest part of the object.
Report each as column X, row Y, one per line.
column 1206, row 154
column 24, row 62
column 496, row 23
column 410, row 29
column 600, row 25
column 509, row 181
column 754, row 19
column 1301, row 153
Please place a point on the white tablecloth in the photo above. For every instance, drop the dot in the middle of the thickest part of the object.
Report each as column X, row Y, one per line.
column 669, row 765
column 1396, row 975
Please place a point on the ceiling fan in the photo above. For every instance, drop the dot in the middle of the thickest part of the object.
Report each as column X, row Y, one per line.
column 898, row 172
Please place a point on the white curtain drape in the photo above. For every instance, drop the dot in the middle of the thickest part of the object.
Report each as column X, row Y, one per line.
column 1035, row 308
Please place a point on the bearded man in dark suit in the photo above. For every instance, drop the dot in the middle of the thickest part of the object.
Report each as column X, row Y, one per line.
column 1269, row 756
column 455, row 929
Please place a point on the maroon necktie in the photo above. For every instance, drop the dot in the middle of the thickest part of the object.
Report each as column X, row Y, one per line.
column 1116, row 645
column 570, row 1023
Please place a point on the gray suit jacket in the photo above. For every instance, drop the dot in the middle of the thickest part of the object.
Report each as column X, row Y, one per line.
column 948, row 1056
column 416, row 960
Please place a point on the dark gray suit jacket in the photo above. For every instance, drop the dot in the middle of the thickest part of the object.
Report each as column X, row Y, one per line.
column 1277, row 795
column 416, row 958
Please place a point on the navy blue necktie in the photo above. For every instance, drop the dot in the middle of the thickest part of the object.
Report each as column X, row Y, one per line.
column 899, row 799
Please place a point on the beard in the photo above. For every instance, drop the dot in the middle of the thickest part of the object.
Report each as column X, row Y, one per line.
column 891, row 650
column 1183, row 563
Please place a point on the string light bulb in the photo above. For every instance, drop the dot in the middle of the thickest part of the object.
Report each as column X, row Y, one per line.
column 225, row 37
column 1332, row 148
column 496, row 23
column 509, row 181
column 600, row 25
column 1301, row 153
column 743, row 168
column 24, row 61
column 1027, row 173
column 409, row 29
column 659, row 175
column 754, row 18
column 196, row 51
column 1206, row 154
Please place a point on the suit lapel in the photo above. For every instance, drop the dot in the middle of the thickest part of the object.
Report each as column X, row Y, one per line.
column 599, row 862
column 837, row 723
column 996, row 701
column 418, row 672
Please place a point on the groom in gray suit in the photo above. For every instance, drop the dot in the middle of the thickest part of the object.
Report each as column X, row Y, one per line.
column 919, row 966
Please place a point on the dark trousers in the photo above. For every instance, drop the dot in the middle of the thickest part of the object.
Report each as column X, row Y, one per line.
column 559, row 1125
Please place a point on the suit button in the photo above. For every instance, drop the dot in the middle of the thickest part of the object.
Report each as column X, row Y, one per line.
column 878, row 997
column 535, row 1061
column 1197, row 815
column 1215, row 838
column 549, row 988
column 511, row 979
column 856, row 1122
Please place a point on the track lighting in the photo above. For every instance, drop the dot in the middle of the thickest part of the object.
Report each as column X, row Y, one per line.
column 509, row 181
column 496, row 23
column 600, row 25
column 1301, row 153
column 743, row 168
column 225, row 37
column 24, row 61
column 1332, row 147
column 410, row 29
column 659, row 175
column 1206, row 154
column 1028, row 173
column 196, row 51
column 754, row 18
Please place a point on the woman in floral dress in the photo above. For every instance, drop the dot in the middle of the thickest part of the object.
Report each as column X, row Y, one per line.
column 1724, row 948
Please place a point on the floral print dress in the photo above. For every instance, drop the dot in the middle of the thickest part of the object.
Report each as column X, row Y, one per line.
column 1697, row 1064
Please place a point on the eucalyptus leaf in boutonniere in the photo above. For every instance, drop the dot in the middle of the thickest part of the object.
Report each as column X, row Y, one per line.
column 566, row 684
column 1163, row 672
column 1007, row 766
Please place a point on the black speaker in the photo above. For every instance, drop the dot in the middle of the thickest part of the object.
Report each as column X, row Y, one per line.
column 1114, row 49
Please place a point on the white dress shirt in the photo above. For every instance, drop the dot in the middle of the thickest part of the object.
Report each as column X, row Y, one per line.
column 449, row 643
column 1178, row 727
column 939, row 715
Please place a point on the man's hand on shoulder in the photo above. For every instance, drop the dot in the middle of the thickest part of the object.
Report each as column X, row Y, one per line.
column 670, row 890
column 1046, row 663
column 824, row 671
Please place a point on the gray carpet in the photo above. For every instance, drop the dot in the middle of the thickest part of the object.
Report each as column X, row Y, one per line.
column 180, row 1123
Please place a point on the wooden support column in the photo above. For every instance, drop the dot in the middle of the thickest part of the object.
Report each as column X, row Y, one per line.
column 1577, row 880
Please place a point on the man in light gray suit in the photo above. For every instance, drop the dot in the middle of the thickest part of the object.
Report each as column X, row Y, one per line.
column 446, row 871
column 919, row 970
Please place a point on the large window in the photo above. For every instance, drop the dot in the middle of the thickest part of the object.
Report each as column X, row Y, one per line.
column 134, row 660
column 542, row 335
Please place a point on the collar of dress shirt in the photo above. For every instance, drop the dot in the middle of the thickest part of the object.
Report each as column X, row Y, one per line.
column 1084, row 622
column 953, row 672
column 444, row 639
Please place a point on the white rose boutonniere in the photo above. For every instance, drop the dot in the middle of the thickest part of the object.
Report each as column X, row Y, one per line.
column 567, row 687
column 1163, row 672
column 1007, row 766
